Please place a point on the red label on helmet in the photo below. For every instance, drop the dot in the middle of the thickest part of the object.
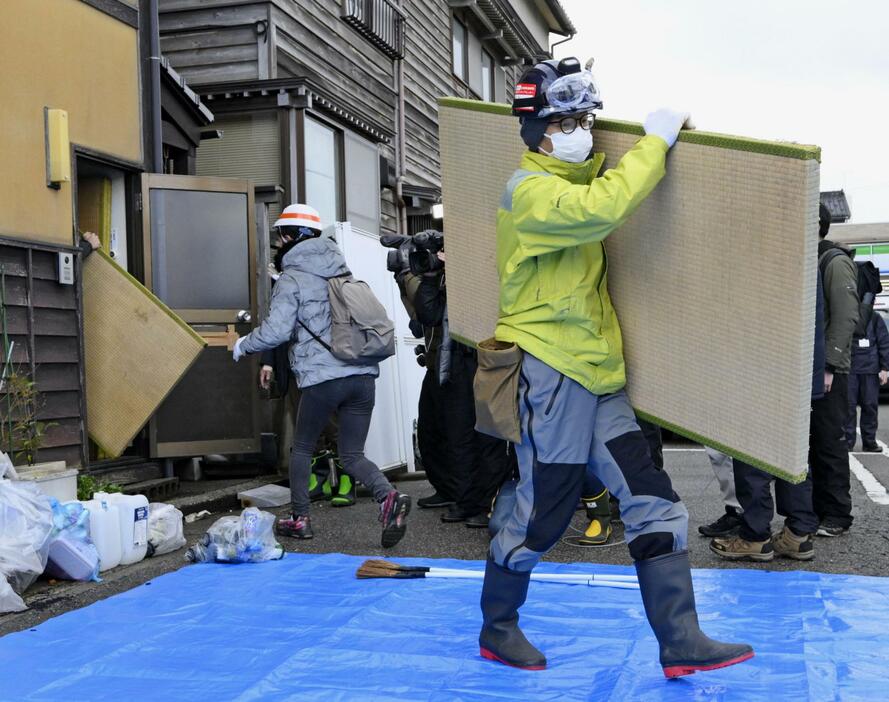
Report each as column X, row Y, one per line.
column 526, row 90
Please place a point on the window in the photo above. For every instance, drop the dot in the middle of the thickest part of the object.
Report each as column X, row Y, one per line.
column 459, row 49
column 322, row 171
column 487, row 76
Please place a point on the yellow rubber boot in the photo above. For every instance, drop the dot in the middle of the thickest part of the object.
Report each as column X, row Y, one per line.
column 598, row 511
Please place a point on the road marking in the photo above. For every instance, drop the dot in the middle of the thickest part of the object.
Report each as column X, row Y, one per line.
column 687, row 450
column 873, row 487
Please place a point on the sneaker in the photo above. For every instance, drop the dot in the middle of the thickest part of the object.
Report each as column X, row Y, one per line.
column 434, row 500
column 789, row 545
column 726, row 525
column 830, row 528
column 393, row 514
column 296, row 527
column 871, row 448
column 345, row 495
column 734, row 548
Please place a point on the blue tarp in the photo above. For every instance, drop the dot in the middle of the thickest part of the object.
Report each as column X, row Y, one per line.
column 305, row 629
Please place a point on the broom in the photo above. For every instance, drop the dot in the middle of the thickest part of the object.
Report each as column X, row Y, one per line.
column 376, row 568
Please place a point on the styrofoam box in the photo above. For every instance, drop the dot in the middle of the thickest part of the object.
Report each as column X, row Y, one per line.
column 54, row 479
column 265, row 496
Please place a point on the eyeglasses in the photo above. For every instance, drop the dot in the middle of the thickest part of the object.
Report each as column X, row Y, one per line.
column 569, row 124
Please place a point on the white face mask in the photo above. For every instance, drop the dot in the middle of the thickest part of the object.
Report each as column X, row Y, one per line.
column 573, row 148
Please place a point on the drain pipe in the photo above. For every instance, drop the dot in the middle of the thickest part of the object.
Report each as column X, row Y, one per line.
column 400, row 141
column 552, row 49
column 157, row 141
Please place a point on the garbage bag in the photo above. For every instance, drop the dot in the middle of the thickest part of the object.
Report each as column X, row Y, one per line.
column 9, row 600
column 165, row 530
column 26, row 524
column 72, row 553
column 248, row 538
column 7, row 470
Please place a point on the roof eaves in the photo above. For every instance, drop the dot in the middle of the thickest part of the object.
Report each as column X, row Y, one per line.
column 566, row 26
column 188, row 95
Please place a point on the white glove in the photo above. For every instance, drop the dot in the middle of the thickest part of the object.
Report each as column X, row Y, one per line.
column 666, row 124
column 237, row 354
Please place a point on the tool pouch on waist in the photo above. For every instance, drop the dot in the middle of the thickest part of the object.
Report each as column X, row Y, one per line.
column 496, row 388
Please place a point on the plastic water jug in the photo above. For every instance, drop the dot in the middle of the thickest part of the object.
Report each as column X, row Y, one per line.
column 105, row 531
column 133, row 514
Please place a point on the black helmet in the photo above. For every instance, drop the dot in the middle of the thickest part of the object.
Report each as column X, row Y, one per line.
column 553, row 88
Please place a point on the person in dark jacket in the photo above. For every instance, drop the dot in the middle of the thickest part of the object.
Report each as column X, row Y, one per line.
column 832, row 495
column 870, row 370
column 476, row 464
column 432, row 417
column 301, row 312
column 753, row 488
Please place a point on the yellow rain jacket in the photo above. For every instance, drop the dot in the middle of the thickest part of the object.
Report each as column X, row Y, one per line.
column 553, row 217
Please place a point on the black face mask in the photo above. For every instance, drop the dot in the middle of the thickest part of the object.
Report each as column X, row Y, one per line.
column 303, row 234
column 283, row 251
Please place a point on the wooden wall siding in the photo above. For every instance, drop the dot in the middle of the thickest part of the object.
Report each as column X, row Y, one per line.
column 43, row 321
column 311, row 40
column 428, row 76
column 324, row 48
column 210, row 42
column 388, row 213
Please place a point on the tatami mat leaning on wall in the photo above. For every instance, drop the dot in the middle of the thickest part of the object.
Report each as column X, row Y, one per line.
column 713, row 278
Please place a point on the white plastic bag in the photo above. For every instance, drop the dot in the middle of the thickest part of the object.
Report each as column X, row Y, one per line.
column 9, row 601
column 248, row 538
column 165, row 530
column 25, row 529
column 7, row 470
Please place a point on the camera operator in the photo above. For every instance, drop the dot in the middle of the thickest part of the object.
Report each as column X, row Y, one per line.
column 465, row 468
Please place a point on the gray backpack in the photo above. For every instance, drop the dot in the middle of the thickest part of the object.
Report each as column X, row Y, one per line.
column 360, row 331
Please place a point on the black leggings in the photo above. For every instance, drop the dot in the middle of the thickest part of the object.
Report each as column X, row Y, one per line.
column 352, row 398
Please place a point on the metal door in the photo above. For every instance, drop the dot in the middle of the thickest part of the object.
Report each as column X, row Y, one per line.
column 200, row 260
column 387, row 441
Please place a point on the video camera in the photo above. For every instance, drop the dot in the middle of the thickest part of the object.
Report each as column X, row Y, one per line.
column 416, row 253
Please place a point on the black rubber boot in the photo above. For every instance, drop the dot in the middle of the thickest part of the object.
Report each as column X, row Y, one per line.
column 501, row 639
column 669, row 599
column 598, row 512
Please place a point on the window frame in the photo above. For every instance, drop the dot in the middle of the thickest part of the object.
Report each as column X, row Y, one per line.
column 465, row 57
column 339, row 161
column 490, row 75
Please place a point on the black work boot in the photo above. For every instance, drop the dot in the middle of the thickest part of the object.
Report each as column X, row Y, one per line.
column 501, row 639
column 669, row 599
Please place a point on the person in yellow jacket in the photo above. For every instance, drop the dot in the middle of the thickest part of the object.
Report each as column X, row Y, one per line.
column 575, row 415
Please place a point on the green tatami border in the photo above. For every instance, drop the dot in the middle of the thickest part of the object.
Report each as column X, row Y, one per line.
column 803, row 152
column 734, row 453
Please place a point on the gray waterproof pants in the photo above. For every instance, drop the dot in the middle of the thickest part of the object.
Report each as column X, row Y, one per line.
column 565, row 430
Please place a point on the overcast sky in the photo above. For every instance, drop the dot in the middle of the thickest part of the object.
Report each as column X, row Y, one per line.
column 809, row 71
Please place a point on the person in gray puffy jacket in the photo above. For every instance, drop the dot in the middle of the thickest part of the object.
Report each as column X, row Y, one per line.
column 300, row 308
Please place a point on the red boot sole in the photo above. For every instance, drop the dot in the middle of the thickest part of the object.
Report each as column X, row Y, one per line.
column 676, row 671
column 485, row 653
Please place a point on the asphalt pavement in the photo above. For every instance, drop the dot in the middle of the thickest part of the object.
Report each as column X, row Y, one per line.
column 864, row 550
